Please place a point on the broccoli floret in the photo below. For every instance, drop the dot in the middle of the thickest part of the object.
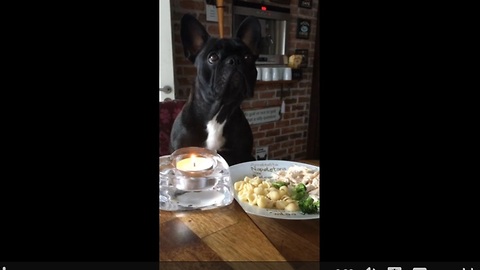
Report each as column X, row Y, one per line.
column 278, row 184
column 308, row 206
column 300, row 192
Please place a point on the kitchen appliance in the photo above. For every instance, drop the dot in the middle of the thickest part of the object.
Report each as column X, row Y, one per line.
column 274, row 20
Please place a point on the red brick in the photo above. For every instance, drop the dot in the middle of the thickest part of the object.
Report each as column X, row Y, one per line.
column 274, row 146
column 301, row 128
column 281, row 138
column 280, row 124
column 296, row 121
column 274, row 103
column 304, row 85
column 267, row 126
column 267, row 94
column 192, row 5
column 295, row 135
column 298, row 107
column 259, row 104
column 304, row 99
column 286, row 144
column 192, row 71
column 302, row 113
column 288, row 115
column 258, row 134
column 291, row 150
column 213, row 30
column 288, row 129
column 266, row 141
column 300, row 141
column 184, row 81
column 299, row 156
column 290, row 100
column 279, row 153
column 272, row 133
column 299, row 92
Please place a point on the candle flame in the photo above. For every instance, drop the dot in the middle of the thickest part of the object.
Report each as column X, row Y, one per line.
column 193, row 159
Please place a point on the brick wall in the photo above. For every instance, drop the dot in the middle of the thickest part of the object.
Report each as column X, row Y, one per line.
column 286, row 138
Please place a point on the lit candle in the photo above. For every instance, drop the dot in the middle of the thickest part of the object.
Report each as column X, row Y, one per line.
column 195, row 164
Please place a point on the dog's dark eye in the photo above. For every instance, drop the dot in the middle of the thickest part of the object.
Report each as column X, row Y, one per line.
column 249, row 58
column 212, row 58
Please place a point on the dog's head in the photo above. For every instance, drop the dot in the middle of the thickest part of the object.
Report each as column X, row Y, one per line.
column 225, row 67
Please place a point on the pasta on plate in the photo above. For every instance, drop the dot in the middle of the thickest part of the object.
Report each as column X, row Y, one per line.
column 261, row 193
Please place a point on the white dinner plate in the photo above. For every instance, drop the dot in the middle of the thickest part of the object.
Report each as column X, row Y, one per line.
column 264, row 169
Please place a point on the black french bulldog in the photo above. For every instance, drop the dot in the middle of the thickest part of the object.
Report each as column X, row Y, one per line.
column 226, row 75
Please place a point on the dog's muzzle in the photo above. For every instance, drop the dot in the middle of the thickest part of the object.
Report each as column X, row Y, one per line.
column 236, row 80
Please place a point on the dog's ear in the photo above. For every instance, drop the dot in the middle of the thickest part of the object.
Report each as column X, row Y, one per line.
column 193, row 36
column 250, row 33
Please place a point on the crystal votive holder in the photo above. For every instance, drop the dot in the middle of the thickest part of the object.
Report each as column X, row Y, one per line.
column 194, row 178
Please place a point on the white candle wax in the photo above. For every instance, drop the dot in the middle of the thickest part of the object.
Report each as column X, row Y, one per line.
column 195, row 164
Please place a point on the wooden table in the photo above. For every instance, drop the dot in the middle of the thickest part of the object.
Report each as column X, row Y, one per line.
column 234, row 239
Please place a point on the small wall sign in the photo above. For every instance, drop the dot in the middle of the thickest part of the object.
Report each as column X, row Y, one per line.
column 211, row 12
column 263, row 115
column 305, row 3
column 261, row 153
column 303, row 28
column 297, row 74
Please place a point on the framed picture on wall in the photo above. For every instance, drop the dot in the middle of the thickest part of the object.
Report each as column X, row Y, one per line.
column 305, row 3
column 303, row 28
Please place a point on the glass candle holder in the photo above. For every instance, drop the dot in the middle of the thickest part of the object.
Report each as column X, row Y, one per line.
column 194, row 178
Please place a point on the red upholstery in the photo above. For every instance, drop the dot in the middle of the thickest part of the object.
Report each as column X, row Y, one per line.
column 168, row 112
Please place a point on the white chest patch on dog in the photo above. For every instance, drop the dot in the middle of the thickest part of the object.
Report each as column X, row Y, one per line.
column 215, row 139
